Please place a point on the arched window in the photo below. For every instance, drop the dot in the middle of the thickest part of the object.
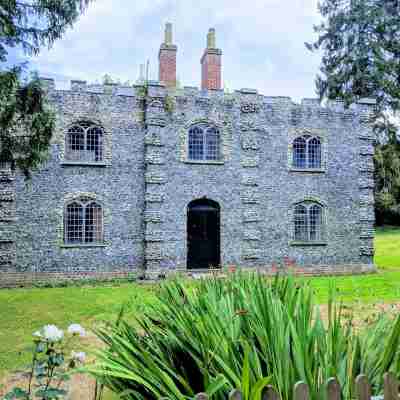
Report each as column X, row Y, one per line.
column 307, row 152
column 204, row 143
column 308, row 222
column 84, row 142
column 83, row 222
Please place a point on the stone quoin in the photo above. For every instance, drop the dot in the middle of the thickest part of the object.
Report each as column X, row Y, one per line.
column 155, row 178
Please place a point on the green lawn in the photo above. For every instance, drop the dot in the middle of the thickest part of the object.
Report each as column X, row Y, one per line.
column 25, row 310
column 381, row 287
column 387, row 248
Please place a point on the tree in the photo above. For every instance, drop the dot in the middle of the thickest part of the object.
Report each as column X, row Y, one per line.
column 360, row 44
column 26, row 121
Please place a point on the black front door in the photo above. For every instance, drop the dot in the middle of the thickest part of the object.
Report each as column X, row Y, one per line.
column 203, row 234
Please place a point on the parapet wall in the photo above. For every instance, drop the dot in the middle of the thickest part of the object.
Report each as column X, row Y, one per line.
column 156, row 89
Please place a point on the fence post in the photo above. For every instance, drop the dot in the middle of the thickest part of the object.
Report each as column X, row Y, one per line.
column 390, row 386
column 235, row 395
column 333, row 389
column 301, row 391
column 201, row 396
column 363, row 388
column 270, row 393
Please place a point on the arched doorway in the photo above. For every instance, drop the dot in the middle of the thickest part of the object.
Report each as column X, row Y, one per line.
column 203, row 234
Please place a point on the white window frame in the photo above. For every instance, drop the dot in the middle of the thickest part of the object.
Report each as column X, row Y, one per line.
column 308, row 205
column 84, row 203
column 85, row 155
column 205, row 128
column 308, row 138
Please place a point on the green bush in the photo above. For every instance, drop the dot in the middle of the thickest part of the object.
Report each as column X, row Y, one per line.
column 242, row 332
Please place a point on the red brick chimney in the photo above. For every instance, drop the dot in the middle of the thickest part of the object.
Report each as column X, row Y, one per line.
column 211, row 64
column 167, row 59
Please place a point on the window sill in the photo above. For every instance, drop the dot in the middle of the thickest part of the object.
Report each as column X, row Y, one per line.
column 206, row 162
column 83, row 246
column 310, row 243
column 85, row 163
column 308, row 170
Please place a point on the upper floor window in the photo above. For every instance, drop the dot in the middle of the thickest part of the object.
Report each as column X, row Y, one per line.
column 308, row 222
column 204, row 143
column 84, row 142
column 307, row 152
column 83, row 222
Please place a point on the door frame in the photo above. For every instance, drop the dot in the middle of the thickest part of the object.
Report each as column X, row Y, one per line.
column 204, row 202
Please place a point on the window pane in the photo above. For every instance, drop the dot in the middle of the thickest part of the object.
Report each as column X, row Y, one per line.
column 94, row 145
column 74, row 223
column 299, row 153
column 314, row 153
column 84, row 142
column 196, row 143
column 300, row 223
column 212, row 144
column 315, row 222
column 75, row 145
column 93, row 223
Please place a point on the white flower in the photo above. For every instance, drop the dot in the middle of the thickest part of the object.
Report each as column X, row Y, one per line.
column 52, row 333
column 76, row 329
column 78, row 356
column 37, row 334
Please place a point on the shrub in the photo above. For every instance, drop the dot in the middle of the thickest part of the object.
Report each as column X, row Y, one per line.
column 242, row 332
column 52, row 363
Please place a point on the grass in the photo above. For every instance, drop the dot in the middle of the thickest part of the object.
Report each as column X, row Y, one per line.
column 23, row 311
column 387, row 248
column 374, row 288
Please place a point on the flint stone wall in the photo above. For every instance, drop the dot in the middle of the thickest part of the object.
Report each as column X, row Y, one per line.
column 118, row 186
column 147, row 181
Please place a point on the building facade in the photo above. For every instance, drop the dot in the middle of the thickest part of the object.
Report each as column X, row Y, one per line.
column 154, row 178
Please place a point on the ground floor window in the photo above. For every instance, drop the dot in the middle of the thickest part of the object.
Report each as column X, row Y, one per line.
column 308, row 222
column 83, row 222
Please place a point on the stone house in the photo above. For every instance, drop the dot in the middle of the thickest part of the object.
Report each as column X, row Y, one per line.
column 156, row 178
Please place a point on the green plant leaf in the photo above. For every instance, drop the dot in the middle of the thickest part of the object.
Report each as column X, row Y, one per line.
column 50, row 393
column 246, row 373
column 258, row 388
column 216, row 384
column 17, row 393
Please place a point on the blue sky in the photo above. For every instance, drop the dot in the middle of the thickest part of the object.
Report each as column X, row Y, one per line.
column 262, row 42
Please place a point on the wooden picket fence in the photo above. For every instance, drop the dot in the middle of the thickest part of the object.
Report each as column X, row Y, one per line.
column 333, row 390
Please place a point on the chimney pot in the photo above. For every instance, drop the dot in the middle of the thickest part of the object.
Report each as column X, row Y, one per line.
column 168, row 34
column 211, row 42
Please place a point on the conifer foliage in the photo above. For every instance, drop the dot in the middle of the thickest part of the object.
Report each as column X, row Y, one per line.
column 360, row 42
column 26, row 122
column 360, row 45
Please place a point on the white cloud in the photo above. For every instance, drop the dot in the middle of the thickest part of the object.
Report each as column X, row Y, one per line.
column 262, row 42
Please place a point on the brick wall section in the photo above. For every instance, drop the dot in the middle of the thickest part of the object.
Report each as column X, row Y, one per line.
column 13, row 279
column 167, row 65
column 211, row 69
